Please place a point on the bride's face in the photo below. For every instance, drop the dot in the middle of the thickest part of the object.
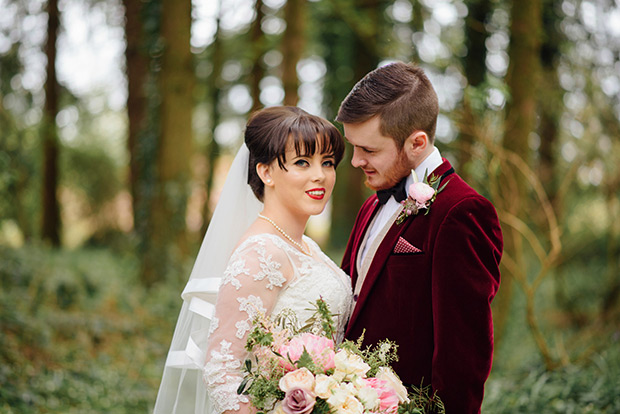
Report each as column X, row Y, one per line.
column 307, row 183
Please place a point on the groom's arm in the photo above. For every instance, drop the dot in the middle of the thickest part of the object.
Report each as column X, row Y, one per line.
column 465, row 279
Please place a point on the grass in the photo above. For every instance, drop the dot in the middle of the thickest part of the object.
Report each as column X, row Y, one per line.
column 80, row 335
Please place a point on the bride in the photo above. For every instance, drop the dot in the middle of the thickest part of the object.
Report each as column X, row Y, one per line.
column 255, row 258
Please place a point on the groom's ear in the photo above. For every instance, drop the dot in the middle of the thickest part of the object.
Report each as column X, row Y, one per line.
column 416, row 144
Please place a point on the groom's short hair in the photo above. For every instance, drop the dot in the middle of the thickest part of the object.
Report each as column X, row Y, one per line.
column 400, row 94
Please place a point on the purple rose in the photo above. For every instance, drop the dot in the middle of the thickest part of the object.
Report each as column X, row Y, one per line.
column 298, row 401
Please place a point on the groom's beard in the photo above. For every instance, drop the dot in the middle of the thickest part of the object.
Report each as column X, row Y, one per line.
column 396, row 172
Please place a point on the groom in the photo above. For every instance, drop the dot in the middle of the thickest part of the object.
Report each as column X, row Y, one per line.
column 428, row 282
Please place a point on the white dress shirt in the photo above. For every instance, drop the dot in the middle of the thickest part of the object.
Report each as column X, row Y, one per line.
column 389, row 209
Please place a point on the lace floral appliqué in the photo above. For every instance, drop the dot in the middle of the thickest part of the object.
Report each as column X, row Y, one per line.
column 269, row 269
column 252, row 305
column 233, row 270
column 220, row 380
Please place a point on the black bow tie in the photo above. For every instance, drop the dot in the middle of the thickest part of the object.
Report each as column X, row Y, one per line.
column 398, row 191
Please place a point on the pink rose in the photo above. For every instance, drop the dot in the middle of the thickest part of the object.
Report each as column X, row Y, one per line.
column 387, row 395
column 298, row 401
column 320, row 348
column 421, row 193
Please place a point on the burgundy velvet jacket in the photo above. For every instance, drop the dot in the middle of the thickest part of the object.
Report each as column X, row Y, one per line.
column 436, row 303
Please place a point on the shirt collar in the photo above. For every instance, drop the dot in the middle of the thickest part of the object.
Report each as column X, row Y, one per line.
column 429, row 164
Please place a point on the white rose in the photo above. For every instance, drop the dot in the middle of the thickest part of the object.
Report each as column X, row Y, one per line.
column 343, row 400
column 323, row 386
column 386, row 374
column 369, row 397
column 339, row 394
column 300, row 378
column 349, row 365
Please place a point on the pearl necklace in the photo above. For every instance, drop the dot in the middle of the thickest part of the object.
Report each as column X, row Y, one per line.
column 289, row 238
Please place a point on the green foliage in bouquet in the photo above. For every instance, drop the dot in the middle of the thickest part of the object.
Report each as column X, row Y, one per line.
column 302, row 369
column 422, row 401
column 383, row 354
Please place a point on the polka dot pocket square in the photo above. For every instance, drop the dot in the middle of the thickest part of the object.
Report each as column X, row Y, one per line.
column 404, row 247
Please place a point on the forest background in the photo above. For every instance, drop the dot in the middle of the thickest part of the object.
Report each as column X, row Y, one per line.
column 118, row 120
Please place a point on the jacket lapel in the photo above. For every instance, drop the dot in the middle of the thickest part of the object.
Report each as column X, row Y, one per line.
column 383, row 252
column 385, row 248
column 365, row 219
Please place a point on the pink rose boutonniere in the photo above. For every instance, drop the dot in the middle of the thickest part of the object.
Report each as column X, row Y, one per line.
column 421, row 196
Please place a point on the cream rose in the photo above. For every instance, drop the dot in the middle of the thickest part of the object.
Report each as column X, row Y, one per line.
column 350, row 405
column 323, row 386
column 388, row 375
column 349, row 365
column 340, row 392
column 300, row 378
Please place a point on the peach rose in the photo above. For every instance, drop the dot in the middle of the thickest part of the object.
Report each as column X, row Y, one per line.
column 300, row 378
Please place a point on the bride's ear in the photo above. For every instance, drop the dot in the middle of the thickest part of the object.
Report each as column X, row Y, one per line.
column 264, row 172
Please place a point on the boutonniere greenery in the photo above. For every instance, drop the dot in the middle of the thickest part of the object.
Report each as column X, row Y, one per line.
column 421, row 195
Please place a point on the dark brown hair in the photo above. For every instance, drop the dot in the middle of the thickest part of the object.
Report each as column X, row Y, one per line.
column 268, row 132
column 401, row 95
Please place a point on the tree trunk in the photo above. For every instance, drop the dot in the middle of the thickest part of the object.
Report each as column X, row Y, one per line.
column 474, row 64
column 417, row 26
column 137, row 71
column 293, row 42
column 257, row 43
column 523, row 80
column 212, row 151
column 350, row 191
column 176, row 83
column 50, row 230
column 550, row 100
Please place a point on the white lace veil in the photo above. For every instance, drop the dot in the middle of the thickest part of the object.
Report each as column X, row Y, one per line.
column 182, row 389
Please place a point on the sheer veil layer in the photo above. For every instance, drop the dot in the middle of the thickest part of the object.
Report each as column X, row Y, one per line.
column 182, row 389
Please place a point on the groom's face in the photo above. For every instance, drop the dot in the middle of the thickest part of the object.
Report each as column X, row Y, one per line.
column 377, row 155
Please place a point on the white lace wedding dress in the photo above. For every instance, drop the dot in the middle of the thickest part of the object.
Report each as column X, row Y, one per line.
column 266, row 274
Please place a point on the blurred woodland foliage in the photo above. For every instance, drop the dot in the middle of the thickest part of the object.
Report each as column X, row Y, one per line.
column 103, row 204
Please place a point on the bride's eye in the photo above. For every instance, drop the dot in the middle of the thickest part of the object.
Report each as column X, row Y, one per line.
column 302, row 163
column 329, row 163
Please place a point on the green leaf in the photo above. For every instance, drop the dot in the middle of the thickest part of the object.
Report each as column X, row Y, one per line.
column 305, row 360
column 241, row 388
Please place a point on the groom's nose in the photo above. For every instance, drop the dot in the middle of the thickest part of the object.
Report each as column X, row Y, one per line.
column 357, row 160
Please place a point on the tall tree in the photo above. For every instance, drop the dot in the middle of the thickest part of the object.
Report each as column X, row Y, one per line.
column 50, row 230
column 168, row 237
column 523, row 80
column 257, row 44
column 550, row 98
column 293, row 42
column 474, row 65
column 137, row 62
column 354, row 28
column 215, row 85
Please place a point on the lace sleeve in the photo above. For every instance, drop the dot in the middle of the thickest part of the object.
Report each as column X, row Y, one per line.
column 255, row 275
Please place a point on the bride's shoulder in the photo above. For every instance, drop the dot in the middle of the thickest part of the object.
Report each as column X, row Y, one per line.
column 260, row 242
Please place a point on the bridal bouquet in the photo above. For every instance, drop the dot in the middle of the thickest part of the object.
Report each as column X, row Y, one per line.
column 303, row 371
